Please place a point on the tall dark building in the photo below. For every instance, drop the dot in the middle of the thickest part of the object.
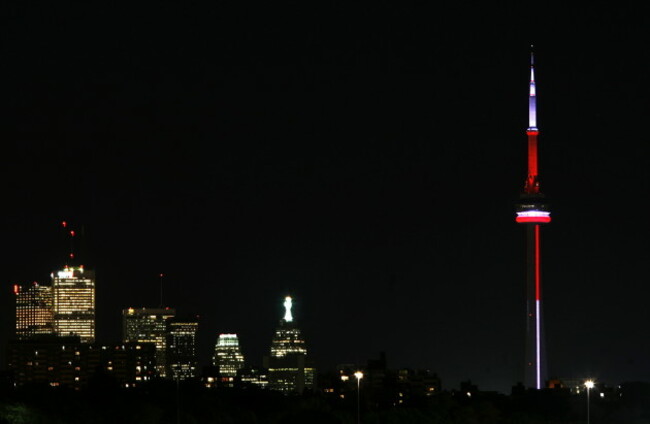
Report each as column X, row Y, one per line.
column 289, row 367
column 149, row 325
column 182, row 361
column 532, row 212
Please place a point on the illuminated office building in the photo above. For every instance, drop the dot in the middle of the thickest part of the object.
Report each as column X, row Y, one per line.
column 181, row 349
column 33, row 310
column 148, row 325
column 290, row 371
column 73, row 303
column 228, row 358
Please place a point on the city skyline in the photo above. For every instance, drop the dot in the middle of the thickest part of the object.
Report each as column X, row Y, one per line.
column 365, row 161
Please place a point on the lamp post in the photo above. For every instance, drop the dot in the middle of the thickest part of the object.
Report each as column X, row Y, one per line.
column 359, row 376
column 589, row 384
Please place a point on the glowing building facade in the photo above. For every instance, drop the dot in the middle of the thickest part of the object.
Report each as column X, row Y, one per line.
column 289, row 368
column 228, row 358
column 149, row 325
column 33, row 310
column 73, row 303
column 181, row 349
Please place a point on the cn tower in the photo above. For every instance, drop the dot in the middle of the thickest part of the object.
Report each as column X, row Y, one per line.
column 532, row 211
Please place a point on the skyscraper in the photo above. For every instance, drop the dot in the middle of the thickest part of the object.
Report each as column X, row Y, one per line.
column 181, row 349
column 287, row 338
column 289, row 368
column 149, row 325
column 73, row 303
column 532, row 211
column 228, row 358
column 33, row 310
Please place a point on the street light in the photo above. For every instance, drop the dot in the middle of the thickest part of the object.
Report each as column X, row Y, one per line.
column 589, row 384
column 359, row 376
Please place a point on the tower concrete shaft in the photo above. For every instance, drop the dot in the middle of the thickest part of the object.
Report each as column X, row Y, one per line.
column 535, row 372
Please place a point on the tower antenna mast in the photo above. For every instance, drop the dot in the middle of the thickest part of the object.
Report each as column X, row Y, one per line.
column 162, row 276
column 70, row 234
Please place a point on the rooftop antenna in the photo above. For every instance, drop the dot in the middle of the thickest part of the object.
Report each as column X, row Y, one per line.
column 70, row 234
column 161, row 289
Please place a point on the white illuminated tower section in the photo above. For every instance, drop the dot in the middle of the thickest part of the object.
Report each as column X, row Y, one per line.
column 73, row 303
column 532, row 211
column 287, row 309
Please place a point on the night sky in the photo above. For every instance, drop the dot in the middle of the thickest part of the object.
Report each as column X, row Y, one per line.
column 363, row 159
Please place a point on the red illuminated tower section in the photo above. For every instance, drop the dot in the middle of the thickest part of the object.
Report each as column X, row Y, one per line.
column 532, row 211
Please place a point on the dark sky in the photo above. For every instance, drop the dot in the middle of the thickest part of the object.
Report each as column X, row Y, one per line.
column 364, row 159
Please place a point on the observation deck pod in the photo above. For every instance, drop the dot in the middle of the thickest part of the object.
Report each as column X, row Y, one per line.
column 532, row 209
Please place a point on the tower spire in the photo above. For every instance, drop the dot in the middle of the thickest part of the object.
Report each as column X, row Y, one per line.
column 532, row 101
column 532, row 180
